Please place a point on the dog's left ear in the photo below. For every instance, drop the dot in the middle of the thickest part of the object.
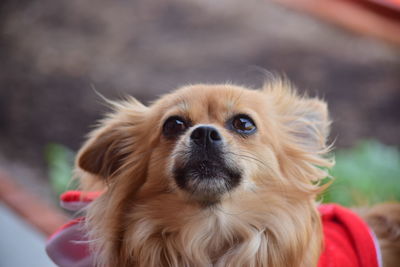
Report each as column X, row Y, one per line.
column 305, row 119
column 310, row 123
column 303, row 132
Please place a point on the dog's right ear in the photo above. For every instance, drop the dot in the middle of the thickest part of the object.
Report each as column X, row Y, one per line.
column 109, row 145
column 102, row 154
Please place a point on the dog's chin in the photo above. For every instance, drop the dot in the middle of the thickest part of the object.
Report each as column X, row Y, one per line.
column 206, row 182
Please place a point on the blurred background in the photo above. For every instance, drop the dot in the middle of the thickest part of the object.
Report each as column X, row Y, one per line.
column 54, row 55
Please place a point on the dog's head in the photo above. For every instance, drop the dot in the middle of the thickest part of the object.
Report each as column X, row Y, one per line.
column 207, row 146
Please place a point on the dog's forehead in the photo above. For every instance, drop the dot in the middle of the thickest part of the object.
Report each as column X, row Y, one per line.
column 211, row 101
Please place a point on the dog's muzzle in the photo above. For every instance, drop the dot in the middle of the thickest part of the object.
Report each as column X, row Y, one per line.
column 208, row 171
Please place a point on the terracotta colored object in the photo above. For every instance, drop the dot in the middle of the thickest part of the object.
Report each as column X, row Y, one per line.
column 376, row 18
column 35, row 211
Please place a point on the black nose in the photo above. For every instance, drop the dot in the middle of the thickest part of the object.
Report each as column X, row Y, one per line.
column 206, row 135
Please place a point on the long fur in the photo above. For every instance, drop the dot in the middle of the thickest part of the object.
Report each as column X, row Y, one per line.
column 144, row 219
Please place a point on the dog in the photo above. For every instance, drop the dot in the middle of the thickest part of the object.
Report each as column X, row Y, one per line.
column 215, row 175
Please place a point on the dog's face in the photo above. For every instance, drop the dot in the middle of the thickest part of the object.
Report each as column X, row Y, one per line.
column 210, row 138
column 205, row 146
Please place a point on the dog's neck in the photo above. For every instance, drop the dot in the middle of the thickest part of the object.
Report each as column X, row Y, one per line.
column 230, row 234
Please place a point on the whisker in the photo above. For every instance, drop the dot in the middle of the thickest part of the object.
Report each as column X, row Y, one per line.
column 245, row 155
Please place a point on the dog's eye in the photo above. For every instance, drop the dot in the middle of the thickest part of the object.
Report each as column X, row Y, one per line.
column 174, row 126
column 243, row 124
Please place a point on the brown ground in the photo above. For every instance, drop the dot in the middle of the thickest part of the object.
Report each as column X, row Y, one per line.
column 53, row 52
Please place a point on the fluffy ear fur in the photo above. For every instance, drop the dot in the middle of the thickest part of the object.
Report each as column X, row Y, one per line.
column 109, row 145
column 305, row 119
column 304, row 125
column 102, row 155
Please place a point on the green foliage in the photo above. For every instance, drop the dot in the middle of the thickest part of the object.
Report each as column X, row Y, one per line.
column 60, row 161
column 366, row 174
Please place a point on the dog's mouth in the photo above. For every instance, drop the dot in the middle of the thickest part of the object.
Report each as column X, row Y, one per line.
column 202, row 166
column 206, row 181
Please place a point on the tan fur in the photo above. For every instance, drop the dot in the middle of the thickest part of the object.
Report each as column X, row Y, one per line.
column 270, row 219
column 384, row 219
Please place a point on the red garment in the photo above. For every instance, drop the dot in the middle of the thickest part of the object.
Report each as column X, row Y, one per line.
column 68, row 246
column 348, row 241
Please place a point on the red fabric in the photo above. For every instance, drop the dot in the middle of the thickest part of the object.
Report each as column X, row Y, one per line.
column 348, row 241
column 67, row 225
column 68, row 246
column 72, row 196
column 77, row 200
